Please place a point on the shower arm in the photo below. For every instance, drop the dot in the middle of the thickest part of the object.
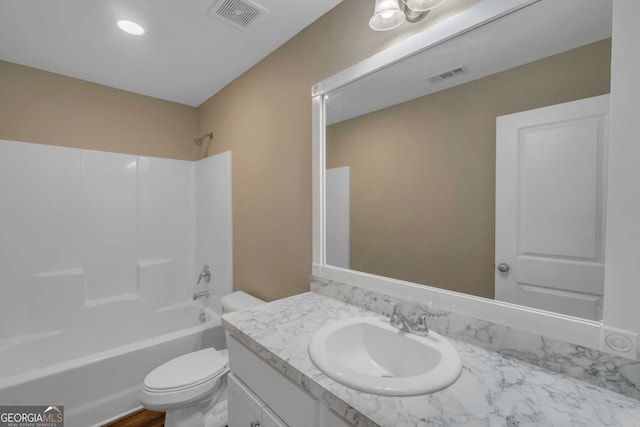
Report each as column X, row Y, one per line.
column 199, row 141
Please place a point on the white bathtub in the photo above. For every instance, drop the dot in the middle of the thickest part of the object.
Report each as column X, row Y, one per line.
column 95, row 368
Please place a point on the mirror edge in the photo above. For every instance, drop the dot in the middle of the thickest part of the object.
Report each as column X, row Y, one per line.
column 616, row 328
column 475, row 16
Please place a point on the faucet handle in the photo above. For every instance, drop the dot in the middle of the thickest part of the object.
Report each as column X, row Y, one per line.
column 394, row 305
column 422, row 326
column 396, row 320
column 206, row 274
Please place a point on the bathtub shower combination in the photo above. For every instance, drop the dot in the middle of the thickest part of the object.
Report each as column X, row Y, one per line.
column 96, row 371
column 100, row 257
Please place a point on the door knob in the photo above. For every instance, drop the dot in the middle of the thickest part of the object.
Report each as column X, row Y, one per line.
column 503, row 267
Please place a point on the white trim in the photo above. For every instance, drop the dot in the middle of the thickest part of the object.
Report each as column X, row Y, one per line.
column 622, row 268
column 566, row 328
column 318, row 170
column 229, row 284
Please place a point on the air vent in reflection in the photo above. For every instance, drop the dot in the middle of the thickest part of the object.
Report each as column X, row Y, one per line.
column 444, row 75
column 237, row 13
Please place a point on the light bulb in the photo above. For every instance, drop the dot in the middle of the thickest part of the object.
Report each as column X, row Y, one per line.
column 387, row 15
column 130, row 27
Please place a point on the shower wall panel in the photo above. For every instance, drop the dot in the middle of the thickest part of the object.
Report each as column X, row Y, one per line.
column 80, row 229
column 40, row 228
column 109, row 200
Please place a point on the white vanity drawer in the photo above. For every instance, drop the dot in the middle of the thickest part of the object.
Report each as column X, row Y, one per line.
column 246, row 409
column 292, row 404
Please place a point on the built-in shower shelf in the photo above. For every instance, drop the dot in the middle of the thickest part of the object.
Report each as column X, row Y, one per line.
column 59, row 273
column 117, row 298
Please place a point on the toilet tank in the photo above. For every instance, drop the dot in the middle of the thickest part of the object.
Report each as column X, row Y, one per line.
column 238, row 300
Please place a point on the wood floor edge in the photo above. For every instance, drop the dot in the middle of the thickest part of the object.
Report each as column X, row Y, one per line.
column 139, row 418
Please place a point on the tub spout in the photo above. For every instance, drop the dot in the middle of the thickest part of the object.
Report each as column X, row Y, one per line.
column 198, row 295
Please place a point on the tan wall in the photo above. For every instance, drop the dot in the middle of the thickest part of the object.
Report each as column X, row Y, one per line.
column 47, row 108
column 264, row 117
column 423, row 172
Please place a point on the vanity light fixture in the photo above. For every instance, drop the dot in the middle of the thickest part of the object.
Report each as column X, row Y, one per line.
column 130, row 27
column 423, row 5
column 390, row 14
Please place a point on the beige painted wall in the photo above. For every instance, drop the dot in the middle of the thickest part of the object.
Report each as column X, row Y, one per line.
column 264, row 117
column 47, row 108
column 423, row 172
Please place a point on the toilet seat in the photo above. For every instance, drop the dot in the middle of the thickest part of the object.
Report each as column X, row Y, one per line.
column 184, row 380
column 186, row 371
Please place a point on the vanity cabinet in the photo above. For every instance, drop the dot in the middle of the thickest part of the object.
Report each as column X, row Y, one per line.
column 245, row 409
column 260, row 396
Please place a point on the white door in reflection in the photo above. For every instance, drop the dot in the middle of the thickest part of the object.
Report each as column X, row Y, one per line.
column 550, row 210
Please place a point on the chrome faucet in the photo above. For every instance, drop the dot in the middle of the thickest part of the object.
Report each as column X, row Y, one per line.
column 205, row 274
column 198, row 295
column 397, row 320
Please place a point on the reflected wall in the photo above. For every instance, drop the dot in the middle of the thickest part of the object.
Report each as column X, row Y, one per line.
column 423, row 172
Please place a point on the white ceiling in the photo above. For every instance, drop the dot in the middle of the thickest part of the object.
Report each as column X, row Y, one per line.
column 545, row 28
column 185, row 55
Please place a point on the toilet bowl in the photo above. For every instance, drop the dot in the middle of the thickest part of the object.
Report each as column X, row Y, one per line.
column 191, row 389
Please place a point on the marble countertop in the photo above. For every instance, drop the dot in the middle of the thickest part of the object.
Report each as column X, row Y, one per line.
column 493, row 390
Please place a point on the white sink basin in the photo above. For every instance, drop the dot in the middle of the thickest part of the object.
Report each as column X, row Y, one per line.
column 370, row 355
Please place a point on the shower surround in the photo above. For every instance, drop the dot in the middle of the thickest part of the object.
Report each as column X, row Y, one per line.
column 90, row 239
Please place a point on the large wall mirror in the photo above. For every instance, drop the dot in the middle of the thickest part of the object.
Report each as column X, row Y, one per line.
column 479, row 165
column 489, row 166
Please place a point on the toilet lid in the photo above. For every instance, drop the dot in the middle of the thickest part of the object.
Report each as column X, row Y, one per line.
column 186, row 371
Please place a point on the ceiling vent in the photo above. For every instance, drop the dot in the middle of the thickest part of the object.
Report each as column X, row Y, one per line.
column 237, row 13
column 444, row 75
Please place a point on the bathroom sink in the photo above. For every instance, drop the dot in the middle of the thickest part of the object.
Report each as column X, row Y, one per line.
column 369, row 354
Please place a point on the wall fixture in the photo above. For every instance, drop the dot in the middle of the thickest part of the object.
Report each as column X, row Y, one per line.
column 199, row 141
column 390, row 14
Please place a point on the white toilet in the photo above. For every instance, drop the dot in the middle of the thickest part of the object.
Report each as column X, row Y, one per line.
column 191, row 389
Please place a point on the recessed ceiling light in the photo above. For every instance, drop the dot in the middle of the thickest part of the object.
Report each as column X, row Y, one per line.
column 131, row 27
